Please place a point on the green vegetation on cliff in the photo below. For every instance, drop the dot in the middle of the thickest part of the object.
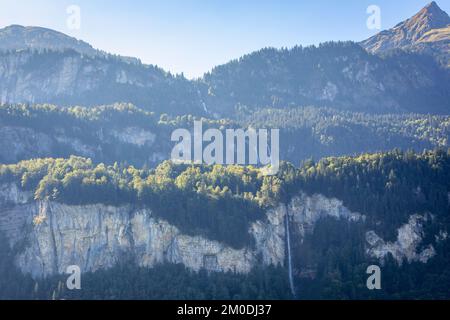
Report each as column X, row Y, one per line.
column 220, row 201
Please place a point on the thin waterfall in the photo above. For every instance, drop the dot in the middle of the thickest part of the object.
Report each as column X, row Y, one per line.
column 288, row 244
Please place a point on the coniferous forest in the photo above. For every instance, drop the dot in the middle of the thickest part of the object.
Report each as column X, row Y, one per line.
column 220, row 203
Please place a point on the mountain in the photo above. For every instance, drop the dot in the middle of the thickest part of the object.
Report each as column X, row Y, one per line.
column 42, row 66
column 46, row 66
column 71, row 78
column 340, row 75
column 18, row 38
column 428, row 31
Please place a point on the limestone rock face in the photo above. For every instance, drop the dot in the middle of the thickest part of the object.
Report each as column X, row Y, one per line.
column 55, row 236
column 270, row 236
column 21, row 143
column 406, row 247
column 11, row 194
column 136, row 136
column 51, row 236
column 307, row 210
column 69, row 77
column 97, row 237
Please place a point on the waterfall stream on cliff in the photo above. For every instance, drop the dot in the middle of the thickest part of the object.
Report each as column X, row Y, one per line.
column 288, row 244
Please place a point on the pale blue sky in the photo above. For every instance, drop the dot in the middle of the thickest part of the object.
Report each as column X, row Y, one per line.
column 192, row 36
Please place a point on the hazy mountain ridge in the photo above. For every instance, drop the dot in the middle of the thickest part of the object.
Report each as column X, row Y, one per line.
column 336, row 75
column 17, row 38
column 339, row 75
column 70, row 78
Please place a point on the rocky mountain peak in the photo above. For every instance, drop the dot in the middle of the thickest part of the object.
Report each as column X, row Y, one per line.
column 433, row 9
column 427, row 32
column 430, row 17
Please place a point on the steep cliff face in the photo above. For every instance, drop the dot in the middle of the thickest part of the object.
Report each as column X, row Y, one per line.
column 50, row 236
column 53, row 236
column 72, row 78
column 30, row 84
column 29, row 76
column 306, row 211
column 10, row 194
column 18, row 143
column 15, row 206
column 98, row 237
column 270, row 236
column 406, row 247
